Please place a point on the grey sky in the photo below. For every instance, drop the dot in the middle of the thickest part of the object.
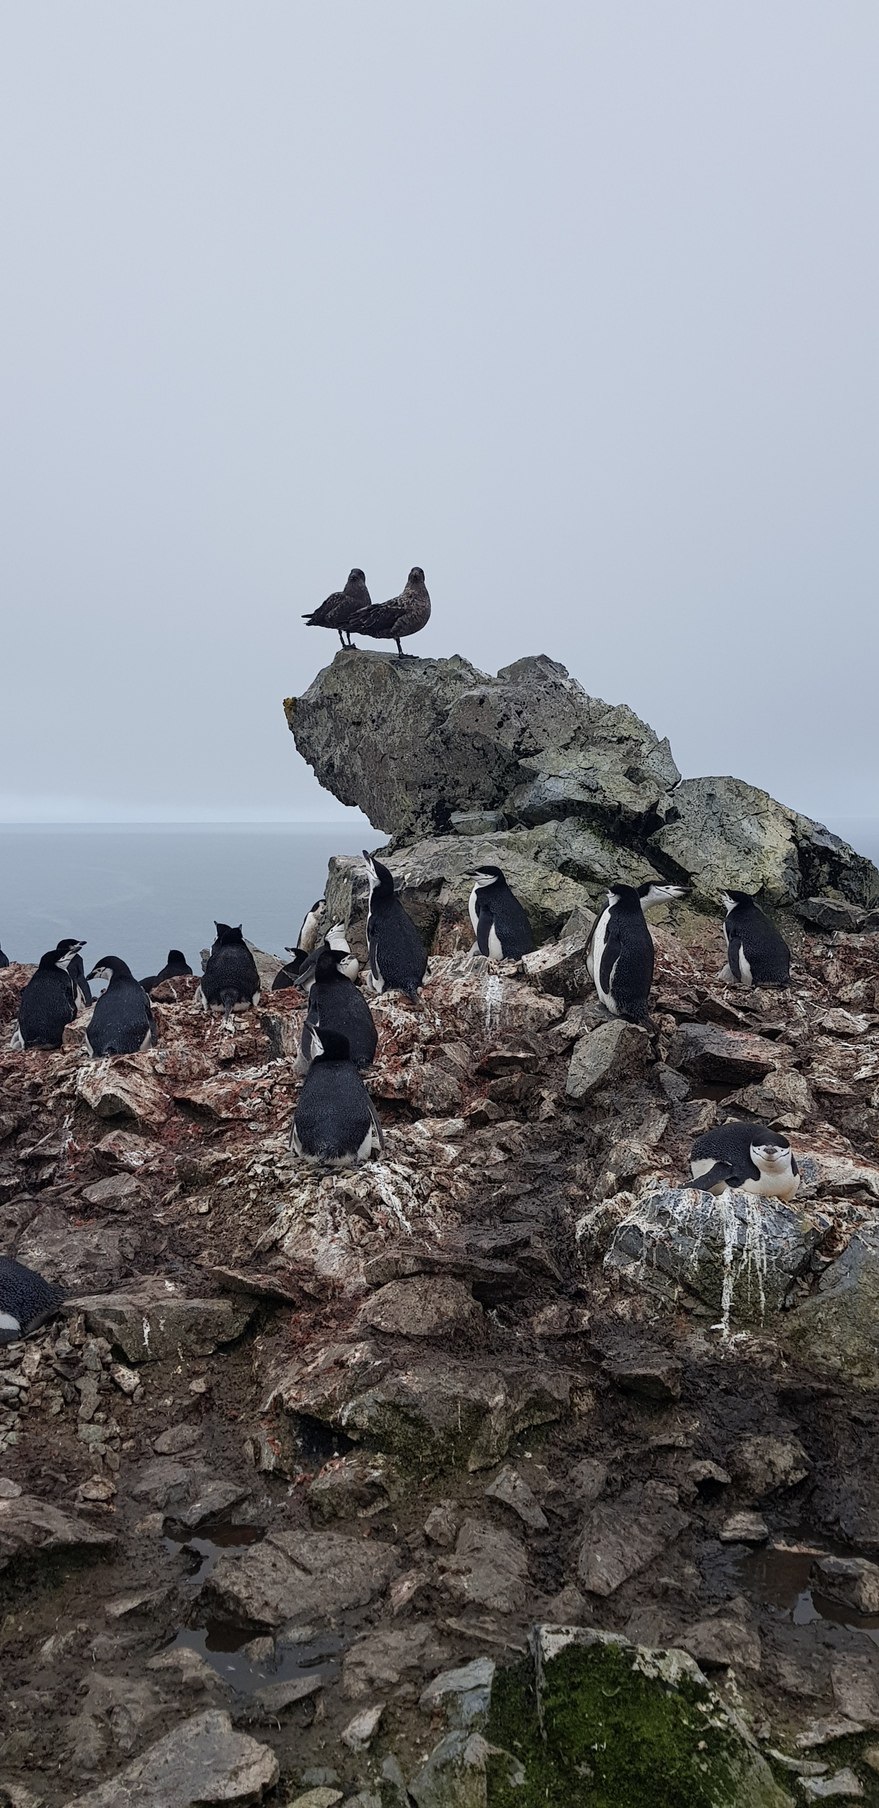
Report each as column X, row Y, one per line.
column 573, row 304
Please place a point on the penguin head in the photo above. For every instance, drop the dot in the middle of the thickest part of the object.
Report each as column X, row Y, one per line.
column 729, row 899
column 110, row 967
column 53, row 959
column 66, row 950
column 628, row 897
column 381, row 879
column 300, row 958
column 227, row 935
column 652, row 893
column 487, row 875
column 336, row 938
column 328, row 1045
column 770, row 1152
column 325, row 962
column 176, row 958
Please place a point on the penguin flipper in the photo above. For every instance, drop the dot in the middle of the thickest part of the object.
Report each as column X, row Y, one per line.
column 483, row 929
column 733, row 946
column 721, row 1175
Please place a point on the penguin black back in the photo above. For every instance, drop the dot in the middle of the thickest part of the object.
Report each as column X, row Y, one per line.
column 47, row 1004
column 26, row 1299
column 337, row 1008
column 503, row 931
column 230, row 977
column 623, row 955
column 334, row 1121
column 4, row 959
column 122, row 1021
column 397, row 955
column 757, row 955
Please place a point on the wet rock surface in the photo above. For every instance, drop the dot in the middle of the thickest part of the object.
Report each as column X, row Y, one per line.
column 304, row 1457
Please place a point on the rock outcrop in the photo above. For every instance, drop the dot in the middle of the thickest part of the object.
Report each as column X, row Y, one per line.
column 561, row 789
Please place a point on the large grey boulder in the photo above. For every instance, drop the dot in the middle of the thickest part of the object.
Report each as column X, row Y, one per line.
column 837, row 1329
column 720, row 832
column 200, row 1762
column 411, row 741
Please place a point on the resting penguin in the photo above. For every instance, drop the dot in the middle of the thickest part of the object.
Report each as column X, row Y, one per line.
column 334, row 1121
column 620, row 953
column 500, row 924
column 756, row 954
column 749, row 1157
column 48, row 1002
column 176, row 967
column 397, row 955
column 230, row 981
column 26, row 1300
column 335, row 1004
column 122, row 1022
column 81, row 989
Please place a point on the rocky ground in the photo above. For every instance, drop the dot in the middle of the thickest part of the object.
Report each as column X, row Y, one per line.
column 300, row 1446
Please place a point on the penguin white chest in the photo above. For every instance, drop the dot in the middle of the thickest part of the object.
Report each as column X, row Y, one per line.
column 595, row 958
column 495, row 946
column 474, row 913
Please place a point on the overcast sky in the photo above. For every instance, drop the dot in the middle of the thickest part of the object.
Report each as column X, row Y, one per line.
column 574, row 304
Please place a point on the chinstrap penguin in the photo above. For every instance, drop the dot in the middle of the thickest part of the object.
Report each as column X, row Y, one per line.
column 81, row 988
column 339, row 610
column 500, row 923
column 176, row 967
column 48, row 1002
column 748, row 1157
column 334, row 1121
column 620, row 953
column 26, row 1300
column 401, row 616
column 756, row 954
column 4, row 959
column 397, row 955
column 309, row 935
column 335, row 1004
column 122, row 1022
column 230, row 981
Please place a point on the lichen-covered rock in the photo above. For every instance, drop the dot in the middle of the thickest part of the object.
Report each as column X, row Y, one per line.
column 836, row 1331
column 615, row 1052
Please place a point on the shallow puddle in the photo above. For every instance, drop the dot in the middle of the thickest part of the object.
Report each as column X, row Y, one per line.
column 222, row 1644
column 779, row 1576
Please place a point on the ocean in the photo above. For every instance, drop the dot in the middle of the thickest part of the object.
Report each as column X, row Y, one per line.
column 140, row 889
column 137, row 890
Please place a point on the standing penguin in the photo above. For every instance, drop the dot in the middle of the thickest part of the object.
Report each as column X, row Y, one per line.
column 26, row 1300
column 122, row 1022
column 230, row 980
column 500, row 924
column 81, row 989
column 397, row 955
column 756, row 954
column 335, row 1004
column 334, row 1121
column 620, row 953
column 48, row 1002
column 309, row 934
column 748, row 1157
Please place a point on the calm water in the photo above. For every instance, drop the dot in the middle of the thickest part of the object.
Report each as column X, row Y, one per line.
column 140, row 890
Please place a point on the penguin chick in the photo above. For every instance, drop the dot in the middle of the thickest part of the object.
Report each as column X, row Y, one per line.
column 500, row 923
column 26, row 1300
column 334, row 1121
column 397, row 955
column 756, row 954
column 339, row 610
column 748, row 1157
column 122, row 1022
column 48, row 1002
column 230, row 981
column 335, row 1004
column 620, row 953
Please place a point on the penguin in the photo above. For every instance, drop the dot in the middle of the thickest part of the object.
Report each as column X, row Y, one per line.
column 334, row 1121
column 176, row 967
column 26, row 1300
column 48, row 1002
column 81, row 988
column 397, row 955
column 335, row 1004
column 230, row 980
column 338, row 611
column 337, row 940
column 309, row 934
column 620, row 953
column 122, row 1022
column 4, row 959
column 756, row 954
column 500, row 924
column 748, row 1157
column 405, row 614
